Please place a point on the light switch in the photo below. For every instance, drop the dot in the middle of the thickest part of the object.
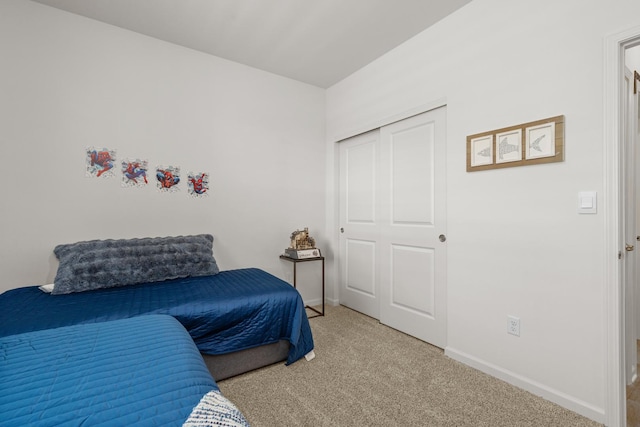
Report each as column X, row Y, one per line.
column 587, row 202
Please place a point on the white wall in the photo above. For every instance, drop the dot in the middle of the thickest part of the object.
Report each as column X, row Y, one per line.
column 67, row 82
column 516, row 245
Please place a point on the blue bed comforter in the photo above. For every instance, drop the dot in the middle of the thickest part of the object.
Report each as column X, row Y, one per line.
column 143, row 371
column 230, row 311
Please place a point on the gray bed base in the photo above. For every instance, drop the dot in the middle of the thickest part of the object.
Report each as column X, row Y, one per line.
column 224, row 366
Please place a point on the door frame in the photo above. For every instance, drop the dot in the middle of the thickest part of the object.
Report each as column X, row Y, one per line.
column 614, row 346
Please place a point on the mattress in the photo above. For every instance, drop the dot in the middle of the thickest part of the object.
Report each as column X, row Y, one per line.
column 141, row 371
column 227, row 312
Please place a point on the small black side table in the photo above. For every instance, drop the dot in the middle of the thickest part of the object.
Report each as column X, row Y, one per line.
column 295, row 262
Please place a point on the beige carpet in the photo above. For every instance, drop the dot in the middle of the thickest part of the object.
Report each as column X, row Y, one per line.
column 366, row 374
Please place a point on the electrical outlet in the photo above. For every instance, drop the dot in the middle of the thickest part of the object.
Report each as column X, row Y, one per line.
column 513, row 325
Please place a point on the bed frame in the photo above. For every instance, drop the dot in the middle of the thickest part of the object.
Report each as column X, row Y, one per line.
column 225, row 366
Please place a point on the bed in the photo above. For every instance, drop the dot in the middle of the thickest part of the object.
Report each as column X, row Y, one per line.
column 239, row 319
column 142, row 371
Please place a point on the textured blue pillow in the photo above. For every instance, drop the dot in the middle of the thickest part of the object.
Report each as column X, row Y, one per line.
column 99, row 264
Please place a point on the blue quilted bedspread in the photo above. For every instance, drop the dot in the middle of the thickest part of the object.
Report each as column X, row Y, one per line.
column 230, row 311
column 143, row 371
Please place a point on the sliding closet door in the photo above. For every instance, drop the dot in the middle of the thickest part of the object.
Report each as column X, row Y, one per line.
column 360, row 229
column 393, row 223
column 413, row 226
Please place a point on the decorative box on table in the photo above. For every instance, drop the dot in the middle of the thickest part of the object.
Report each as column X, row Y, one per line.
column 302, row 246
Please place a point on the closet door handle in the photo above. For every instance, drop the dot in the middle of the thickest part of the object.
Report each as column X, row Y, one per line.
column 628, row 247
column 442, row 238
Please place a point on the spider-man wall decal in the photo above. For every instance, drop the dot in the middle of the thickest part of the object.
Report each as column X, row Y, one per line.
column 134, row 173
column 100, row 162
column 168, row 178
column 198, row 184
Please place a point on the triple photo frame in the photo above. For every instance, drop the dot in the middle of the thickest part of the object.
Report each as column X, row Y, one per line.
column 530, row 143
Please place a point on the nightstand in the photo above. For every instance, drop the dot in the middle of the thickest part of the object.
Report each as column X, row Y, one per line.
column 295, row 262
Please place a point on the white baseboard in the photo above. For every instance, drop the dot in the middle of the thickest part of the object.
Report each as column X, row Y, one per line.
column 548, row 393
column 318, row 301
column 313, row 302
column 332, row 302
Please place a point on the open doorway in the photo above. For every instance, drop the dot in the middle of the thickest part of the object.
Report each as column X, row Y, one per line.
column 630, row 166
column 617, row 251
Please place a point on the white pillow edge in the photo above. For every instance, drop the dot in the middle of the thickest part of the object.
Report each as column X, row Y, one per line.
column 47, row 289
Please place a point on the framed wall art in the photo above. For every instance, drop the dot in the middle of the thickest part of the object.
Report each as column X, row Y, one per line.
column 526, row 144
column 481, row 150
column 509, row 146
column 540, row 141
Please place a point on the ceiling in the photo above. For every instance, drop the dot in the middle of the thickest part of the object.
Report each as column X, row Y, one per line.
column 319, row 42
